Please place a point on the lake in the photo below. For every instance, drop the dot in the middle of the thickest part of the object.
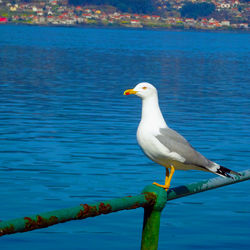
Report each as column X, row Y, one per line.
column 68, row 135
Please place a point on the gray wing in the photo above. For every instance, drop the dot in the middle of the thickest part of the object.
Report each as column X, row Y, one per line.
column 177, row 143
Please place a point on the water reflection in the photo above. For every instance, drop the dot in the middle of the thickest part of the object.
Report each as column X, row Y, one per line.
column 68, row 134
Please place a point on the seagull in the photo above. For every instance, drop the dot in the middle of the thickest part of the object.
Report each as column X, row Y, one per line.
column 164, row 145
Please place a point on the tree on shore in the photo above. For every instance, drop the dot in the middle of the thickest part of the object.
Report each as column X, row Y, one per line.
column 132, row 6
column 196, row 10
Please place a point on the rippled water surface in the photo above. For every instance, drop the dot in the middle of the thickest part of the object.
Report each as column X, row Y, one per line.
column 68, row 134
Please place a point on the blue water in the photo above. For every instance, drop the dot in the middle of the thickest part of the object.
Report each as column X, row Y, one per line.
column 67, row 133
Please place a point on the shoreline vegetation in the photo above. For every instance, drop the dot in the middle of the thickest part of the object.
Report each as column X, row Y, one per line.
column 51, row 13
column 94, row 26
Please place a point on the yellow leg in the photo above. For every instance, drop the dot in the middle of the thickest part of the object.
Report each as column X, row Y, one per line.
column 167, row 178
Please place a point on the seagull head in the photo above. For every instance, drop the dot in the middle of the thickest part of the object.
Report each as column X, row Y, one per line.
column 143, row 90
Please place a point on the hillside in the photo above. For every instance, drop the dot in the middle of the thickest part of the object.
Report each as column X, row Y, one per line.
column 180, row 14
column 131, row 6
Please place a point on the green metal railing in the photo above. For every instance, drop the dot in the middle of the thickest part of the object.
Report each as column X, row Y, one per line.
column 152, row 199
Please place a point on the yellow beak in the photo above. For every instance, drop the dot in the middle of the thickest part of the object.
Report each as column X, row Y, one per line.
column 129, row 92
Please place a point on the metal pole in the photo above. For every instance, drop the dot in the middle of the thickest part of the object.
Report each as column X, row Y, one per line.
column 152, row 215
column 197, row 187
column 151, row 224
column 75, row 213
column 147, row 199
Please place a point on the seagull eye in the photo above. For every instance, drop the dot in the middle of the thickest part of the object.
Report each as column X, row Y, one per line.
column 144, row 87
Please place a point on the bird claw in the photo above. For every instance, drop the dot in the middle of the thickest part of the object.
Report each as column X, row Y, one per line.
column 166, row 187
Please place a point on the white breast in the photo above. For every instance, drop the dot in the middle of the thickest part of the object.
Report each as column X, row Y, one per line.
column 150, row 145
column 153, row 148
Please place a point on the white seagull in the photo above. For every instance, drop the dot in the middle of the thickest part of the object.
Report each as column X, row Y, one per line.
column 164, row 145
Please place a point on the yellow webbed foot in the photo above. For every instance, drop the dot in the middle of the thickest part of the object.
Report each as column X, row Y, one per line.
column 168, row 178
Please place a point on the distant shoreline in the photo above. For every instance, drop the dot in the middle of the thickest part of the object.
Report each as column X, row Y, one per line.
column 190, row 29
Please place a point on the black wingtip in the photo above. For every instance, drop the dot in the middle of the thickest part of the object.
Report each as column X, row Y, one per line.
column 227, row 172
